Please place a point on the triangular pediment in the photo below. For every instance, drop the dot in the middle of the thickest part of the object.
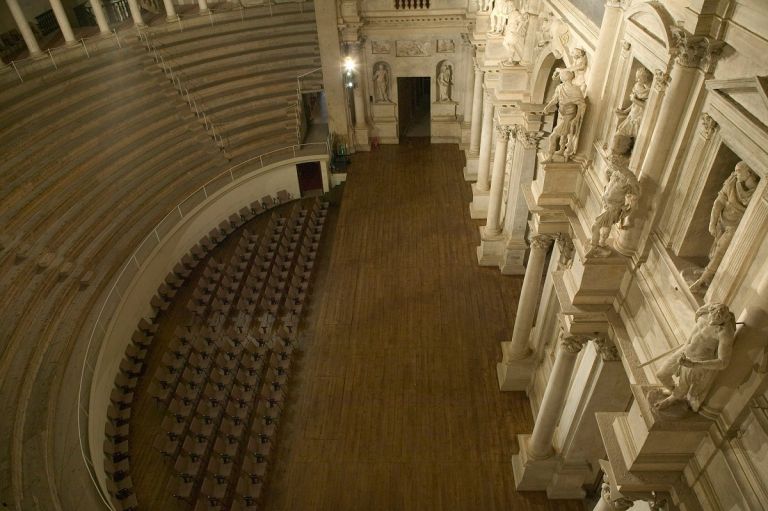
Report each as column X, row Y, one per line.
column 748, row 95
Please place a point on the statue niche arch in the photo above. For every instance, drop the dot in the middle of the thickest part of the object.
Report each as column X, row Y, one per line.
column 381, row 76
column 444, row 81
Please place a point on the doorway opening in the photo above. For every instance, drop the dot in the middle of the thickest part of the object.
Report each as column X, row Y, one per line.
column 413, row 107
column 310, row 178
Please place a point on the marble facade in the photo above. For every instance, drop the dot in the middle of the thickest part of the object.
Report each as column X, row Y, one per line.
column 614, row 211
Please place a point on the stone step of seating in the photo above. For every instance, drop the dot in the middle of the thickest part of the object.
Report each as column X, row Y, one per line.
column 228, row 108
column 264, row 69
column 146, row 108
column 257, row 142
column 249, row 80
column 247, row 54
column 233, row 21
column 230, row 40
column 40, row 91
column 254, row 122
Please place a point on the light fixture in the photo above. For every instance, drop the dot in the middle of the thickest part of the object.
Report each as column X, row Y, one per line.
column 349, row 65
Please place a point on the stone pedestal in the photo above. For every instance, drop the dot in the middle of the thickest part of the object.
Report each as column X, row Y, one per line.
column 482, row 26
column 555, row 183
column 531, row 474
column 361, row 139
column 650, row 441
column 515, row 374
column 514, row 79
column 470, row 169
column 513, row 257
column 385, row 120
column 445, row 128
column 491, row 248
column 595, row 280
column 478, row 208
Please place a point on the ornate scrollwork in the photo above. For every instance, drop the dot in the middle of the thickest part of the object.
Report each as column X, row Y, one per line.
column 541, row 242
column 707, row 127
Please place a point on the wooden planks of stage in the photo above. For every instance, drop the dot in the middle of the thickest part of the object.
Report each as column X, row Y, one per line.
column 394, row 403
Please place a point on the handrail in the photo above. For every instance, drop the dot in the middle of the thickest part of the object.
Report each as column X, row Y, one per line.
column 134, row 260
column 38, row 58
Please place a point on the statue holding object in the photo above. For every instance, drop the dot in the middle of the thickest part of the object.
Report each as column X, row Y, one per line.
column 729, row 207
column 570, row 102
column 696, row 363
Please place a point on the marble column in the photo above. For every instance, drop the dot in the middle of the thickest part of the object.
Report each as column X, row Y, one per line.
column 678, row 89
column 63, row 21
column 492, row 225
column 361, row 125
column 479, row 206
column 516, row 217
column 470, row 87
column 23, row 26
column 473, row 153
column 484, row 164
column 101, row 17
column 535, row 465
column 133, row 5
column 477, row 113
column 170, row 11
column 598, row 68
column 203, row 4
column 540, row 443
column 515, row 369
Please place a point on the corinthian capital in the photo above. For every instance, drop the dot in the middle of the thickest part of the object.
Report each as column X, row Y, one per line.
column 503, row 131
column 607, row 350
column 541, row 242
column 695, row 51
column 573, row 343
column 529, row 139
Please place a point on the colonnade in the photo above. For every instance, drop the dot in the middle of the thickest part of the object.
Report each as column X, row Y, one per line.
column 99, row 13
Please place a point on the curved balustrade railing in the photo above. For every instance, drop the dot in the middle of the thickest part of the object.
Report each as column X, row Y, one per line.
column 173, row 217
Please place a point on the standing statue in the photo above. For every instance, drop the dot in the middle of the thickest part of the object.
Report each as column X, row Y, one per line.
column 619, row 196
column 500, row 14
column 729, row 207
column 638, row 98
column 544, row 32
column 381, row 84
column 697, row 362
column 445, row 83
column 514, row 36
column 485, row 5
column 579, row 68
column 571, row 103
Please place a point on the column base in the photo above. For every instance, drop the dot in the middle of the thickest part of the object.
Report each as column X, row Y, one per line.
column 513, row 258
column 567, row 481
column 470, row 169
column 172, row 19
column 491, row 248
column 478, row 208
column 362, row 143
column 531, row 474
column 515, row 375
column 464, row 136
column 72, row 43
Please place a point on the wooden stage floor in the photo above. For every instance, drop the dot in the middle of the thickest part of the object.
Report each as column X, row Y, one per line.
column 394, row 404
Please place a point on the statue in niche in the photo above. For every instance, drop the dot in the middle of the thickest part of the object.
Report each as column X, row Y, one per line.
column 444, row 82
column 381, row 83
column 729, row 207
column 697, row 362
column 499, row 15
column 514, row 36
column 570, row 102
column 579, row 68
column 638, row 98
column 544, row 34
column 619, row 197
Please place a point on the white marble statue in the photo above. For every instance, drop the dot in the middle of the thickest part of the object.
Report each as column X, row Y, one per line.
column 544, row 33
column 381, row 84
column 485, row 5
column 697, row 362
column 514, row 36
column 579, row 68
column 500, row 14
column 570, row 102
column 619, row 196
column 638, row 98
column 729, row 207
column 445, row 83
